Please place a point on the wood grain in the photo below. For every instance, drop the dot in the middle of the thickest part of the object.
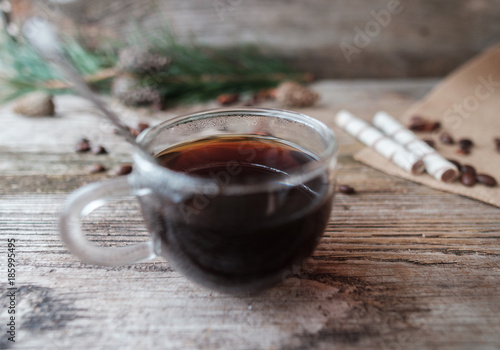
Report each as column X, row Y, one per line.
column 400, row 266
column 426, row 38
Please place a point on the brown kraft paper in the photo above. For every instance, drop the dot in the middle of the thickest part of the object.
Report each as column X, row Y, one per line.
column 467, row 103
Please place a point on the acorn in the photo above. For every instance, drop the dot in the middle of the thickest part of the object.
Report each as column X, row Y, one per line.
column 292, row 94
column 35, row 104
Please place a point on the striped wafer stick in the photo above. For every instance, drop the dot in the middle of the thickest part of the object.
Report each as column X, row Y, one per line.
column 382, row 144
column 435, row 164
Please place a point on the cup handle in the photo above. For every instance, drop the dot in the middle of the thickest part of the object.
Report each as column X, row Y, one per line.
column 81, row 203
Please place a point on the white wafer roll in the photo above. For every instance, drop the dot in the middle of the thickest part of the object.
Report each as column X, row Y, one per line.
column 435, row 164
column 383, row 145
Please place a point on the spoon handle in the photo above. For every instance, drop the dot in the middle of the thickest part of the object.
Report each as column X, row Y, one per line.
column 42, row 35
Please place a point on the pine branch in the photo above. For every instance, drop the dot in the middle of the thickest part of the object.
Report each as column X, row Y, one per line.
column 24, row 71
column 195, row 73
column 198, row 73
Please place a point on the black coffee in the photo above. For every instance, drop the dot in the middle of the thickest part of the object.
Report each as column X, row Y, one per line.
column 242, row 242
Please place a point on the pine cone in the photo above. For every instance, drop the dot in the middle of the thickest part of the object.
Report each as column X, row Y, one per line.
column 124, row 83
column 292, row 94
column 128, row 90
column 140, row 96
column 35, row 104
column 141, row 61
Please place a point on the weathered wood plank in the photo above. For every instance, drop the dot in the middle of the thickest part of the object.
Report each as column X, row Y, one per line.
column 420, row 38
column 401, row 266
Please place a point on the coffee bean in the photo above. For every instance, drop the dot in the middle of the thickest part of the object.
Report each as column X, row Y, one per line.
column 430, row 126
column 227, row 99
column 446, row 139
column 468, row 179
column 434, row 126
column 418, row 123
column 455, row 163
column 416, row 127
column 82, row 146
column 96, row 168
column 430, row 143
column 497, row 140
column 486, row 180
column 463, row 152
column 99, row 150
column 264, row 94
column 142, row 126
column 468, row 169
column 465, row 143
column 346, row 189
column 134, row 132
column 123, row 169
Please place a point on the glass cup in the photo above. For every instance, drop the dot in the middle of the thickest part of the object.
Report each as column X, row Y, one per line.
column 235, row 237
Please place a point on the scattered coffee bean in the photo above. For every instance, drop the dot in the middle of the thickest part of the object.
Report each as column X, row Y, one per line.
column 486, row 180
column 227, row 99
column 123, row 169
column 465, row 143
column 436, row 126
column 463, row 152
column 346, row 189
column 446, row 139
column 96, row 168
column 468, row 169
column 430, row 143
column 468, row 179
column 455, row 163
column 418, row 123
column 497, row 143
column 134, row 132
column 265, row 94
column 99, row 150
column 82, row 146
column 142, row 126
column 414, row 127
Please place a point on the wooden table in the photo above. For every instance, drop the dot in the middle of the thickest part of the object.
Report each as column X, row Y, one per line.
column 401, row 266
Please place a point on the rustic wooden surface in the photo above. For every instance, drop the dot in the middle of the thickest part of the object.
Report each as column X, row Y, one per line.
column 426, row 38
column 401, row 266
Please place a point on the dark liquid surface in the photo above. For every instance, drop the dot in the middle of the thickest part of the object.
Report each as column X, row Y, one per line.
column 242, row 242
column 245, row 159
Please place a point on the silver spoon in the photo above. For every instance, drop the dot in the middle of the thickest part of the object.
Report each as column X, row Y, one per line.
column 43, row 36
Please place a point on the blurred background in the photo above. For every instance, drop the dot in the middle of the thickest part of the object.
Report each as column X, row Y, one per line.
column 329, row 38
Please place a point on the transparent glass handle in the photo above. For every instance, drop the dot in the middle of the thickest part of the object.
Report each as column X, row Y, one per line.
column 81, row 203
